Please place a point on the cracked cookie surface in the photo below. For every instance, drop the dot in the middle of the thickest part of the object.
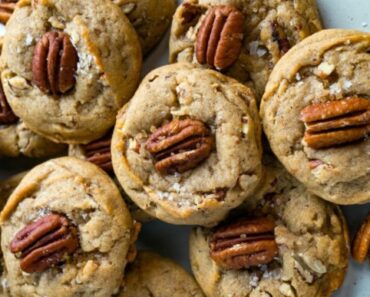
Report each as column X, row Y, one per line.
column 312, row 240
column 154, row 276
column 230, row 174
column 270, row 29
column 312, row 113
column 87, row 197
column 104, row 78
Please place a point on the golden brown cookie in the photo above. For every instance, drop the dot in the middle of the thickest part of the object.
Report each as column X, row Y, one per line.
column 316, row 114
column 242, row 38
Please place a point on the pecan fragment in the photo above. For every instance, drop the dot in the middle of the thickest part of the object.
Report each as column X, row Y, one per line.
column 98, row 152
column 361, row 244
column 54, row 63
column 336, row 122
column 44, row 243
column 6, row 10
column 279, row 36
column 220, row 37
column 244, row 243
column 7, row 116
column 180, row 145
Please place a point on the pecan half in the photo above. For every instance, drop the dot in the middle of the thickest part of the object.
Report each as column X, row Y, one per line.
column 180, row 145
column 361, row 243
column 44, row 243
column 7, row 116
column 336, row 122
column 220, row 37
column 98, row 152
column 244, row 243
column 279, row 36
column 54, row 63
column 6, row 10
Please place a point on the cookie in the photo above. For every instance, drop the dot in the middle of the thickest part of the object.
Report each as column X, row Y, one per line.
column 242, row 38
column 285, row 242
column 154, row 276
column 316, row 114
column 98, row 153
column 187, row 149
column 150, row 18
column 70, row 212
column 56, row 56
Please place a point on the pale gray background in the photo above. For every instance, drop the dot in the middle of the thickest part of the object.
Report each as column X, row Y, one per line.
column 172, row 240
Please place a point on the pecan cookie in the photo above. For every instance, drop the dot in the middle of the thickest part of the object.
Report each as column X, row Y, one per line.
column 56, row 57
column 98, row 152
column 66, row 232
column 286, row 242
column 186, row 149
column 316, row 114
column 242, row 38
column 151, row 275
column 150, row 18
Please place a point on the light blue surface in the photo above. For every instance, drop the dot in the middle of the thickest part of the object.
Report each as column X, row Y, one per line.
column 172, row 241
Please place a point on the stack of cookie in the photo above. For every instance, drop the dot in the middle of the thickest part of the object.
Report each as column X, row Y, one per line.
column 183, row 146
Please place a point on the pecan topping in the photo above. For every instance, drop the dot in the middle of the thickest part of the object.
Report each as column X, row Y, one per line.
column 7, row 116
column 279, row 36
column 180, row 145
column 44, row 243
column 98, row 152
column 6, row 10
column 361, row 244
column 220, row 37
column 336, row 122
column 244, row 243
column 54, row 63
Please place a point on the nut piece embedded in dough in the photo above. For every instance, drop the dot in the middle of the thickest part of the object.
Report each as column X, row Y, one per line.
column 180, row 145
column 220, row 37
column 44, row 243
column 244, row 243
column 336, row 122
column 54, row 63
column 7, row 116
column 361, row 244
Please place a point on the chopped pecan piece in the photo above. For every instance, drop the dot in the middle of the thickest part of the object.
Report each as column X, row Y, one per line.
column 180, row 145
column 98, row 152
column 336, row 122
column 361, row 244
column 7, row 116
column 44, row 243
column 220, row 37
column 54, row 63
column 244, row 243
column 6, row 10
column 279, row 36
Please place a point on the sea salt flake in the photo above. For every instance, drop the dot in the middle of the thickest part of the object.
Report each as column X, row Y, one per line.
column 29, row 39
column 335, row 89
column 261, row 52
column 253, row 47
column 347, row 84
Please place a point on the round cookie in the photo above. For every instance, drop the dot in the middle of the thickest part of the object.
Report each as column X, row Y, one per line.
column 151, row 275
column 150, row 18
column 309, row 258
column 255, row 34
column 98, row 153
column 56, row 56
column 186, row 149
column 90, row 232
column 316, row 114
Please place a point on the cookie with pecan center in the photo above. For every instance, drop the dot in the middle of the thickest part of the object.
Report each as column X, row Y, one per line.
column 187, row 148
column 316, row 114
